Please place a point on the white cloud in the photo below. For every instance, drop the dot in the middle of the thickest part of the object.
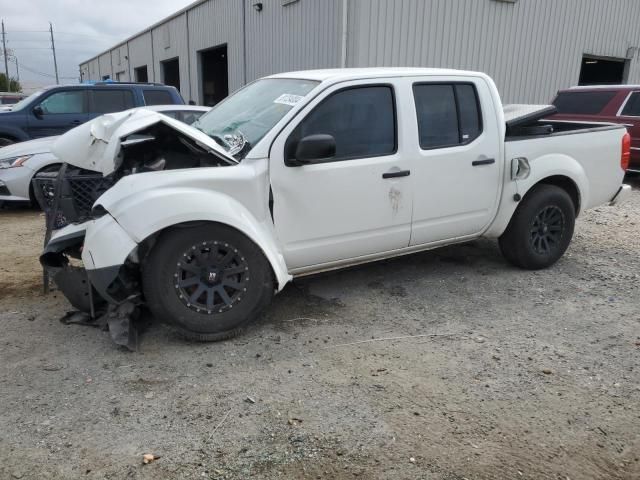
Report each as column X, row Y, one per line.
column 82, row 28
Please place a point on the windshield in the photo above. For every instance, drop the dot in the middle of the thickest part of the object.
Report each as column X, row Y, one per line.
column 20, row 105
column 241, row 121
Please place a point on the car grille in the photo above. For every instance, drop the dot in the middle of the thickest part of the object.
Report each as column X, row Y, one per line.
column 68, row 196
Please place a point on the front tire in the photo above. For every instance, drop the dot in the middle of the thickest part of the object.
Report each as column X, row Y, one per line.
column 207, row 281
column 541, row 228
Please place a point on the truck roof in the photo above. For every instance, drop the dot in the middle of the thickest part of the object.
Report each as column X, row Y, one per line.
column 341, row 74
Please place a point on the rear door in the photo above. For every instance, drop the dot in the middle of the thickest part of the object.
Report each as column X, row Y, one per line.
column 456, row 161
column 62, row 110
column 102, row 101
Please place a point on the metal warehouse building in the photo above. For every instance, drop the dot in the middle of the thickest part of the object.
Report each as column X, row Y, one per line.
column 530, row 47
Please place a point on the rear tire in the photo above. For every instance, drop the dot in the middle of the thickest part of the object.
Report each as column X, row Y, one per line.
column 541, row 228
column 208, row 281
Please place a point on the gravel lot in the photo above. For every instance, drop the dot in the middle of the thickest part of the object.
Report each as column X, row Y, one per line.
column 507, row 373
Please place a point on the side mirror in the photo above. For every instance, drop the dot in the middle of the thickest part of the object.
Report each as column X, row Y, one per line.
column 38, row 112
column 314, row 148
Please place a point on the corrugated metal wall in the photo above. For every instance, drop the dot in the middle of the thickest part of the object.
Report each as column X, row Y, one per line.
column 531, row 47
column 140, row 54
column 212, row 24
column 104, row 65
column 169, row 42
column 120, row 63
column 297, row 36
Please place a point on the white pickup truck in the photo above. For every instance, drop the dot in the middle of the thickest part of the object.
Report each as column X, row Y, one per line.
column 310, row 171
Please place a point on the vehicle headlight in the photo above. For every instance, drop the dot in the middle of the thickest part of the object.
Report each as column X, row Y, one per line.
column 14, row 162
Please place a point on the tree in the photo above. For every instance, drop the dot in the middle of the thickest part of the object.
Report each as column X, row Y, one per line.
column 12, row 86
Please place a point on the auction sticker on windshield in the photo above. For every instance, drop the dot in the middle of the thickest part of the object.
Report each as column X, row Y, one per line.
column 288, row 99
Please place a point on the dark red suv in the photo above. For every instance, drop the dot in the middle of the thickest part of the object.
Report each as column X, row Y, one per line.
column 607, row 103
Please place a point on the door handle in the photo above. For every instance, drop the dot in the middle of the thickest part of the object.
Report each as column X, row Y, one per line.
column 486, row 161
column 399, row 173
column 76, row 122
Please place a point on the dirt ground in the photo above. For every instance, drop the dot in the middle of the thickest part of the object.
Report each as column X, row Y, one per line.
column 448, row 364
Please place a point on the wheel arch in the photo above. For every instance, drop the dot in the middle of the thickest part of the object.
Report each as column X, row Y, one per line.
column 147, row 244
column 559, row 170
column 565, row 183
column 146, row 215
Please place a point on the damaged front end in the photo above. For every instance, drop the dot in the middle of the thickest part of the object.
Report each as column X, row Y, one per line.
column 107, row 297
column 103, row 284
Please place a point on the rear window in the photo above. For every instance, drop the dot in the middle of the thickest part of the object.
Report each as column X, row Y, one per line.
column 632, row 107
column 448, row 114
column 109, row 101
column 583, row 103
column 157, row 97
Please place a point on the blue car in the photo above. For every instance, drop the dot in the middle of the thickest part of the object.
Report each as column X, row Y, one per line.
column 54, row 110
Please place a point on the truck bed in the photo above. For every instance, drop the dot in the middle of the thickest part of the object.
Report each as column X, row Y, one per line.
column 595, row 146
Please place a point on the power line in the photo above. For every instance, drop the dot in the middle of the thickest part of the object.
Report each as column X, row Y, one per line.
column 64, row 33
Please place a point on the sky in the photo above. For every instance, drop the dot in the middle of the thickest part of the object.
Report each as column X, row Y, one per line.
column 82, row 29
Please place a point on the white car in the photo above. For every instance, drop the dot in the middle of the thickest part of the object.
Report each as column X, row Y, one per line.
column 20, row 162
column 304, row 172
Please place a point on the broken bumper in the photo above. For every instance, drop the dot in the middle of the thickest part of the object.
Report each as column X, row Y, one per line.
column 623, row 194
column 106, row 249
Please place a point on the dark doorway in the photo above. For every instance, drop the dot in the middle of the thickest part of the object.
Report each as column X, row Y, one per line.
column 141, row 74
column 602, row 71
column 214, row 74
column 171, row 73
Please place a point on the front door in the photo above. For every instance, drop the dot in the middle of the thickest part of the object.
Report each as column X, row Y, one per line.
column 60, row 111
column 356, row 203
column 457, row 164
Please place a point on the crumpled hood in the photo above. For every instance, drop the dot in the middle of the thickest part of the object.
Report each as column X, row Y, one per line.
column 31, row 147
column 96, row 145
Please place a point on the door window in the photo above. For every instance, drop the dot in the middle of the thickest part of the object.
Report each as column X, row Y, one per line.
column 632, row 107
column 362, row 120
column 448, row 114
column 64, row 102
column 157, row 97
column 109, row 101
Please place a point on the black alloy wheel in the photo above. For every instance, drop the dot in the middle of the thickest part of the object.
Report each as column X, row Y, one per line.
column 546, row 230
column 212, row 277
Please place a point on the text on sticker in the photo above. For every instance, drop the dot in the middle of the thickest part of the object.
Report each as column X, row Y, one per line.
column 288, row 99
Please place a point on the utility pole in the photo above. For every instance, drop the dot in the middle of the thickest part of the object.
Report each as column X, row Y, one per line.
column 53, row 47
column 17, row 69
column 4, row 52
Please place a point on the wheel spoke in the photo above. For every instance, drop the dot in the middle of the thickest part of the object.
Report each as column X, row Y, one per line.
column 196, row 295
column 544, row 244
column 191, row 268
column 223, row 295
column 188, row 282
column 234, row 270
column 210, row 298
column 226, row 260
column 232, row 284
